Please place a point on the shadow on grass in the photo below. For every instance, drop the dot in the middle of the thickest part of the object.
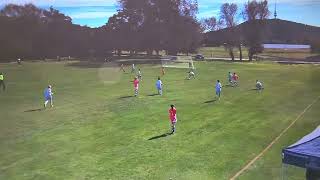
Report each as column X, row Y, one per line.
column 153, row 94
column 33, row 110
column 160, row 136
column 125, row 97
column 211, row 101
column 228, row 85
column 255, row 89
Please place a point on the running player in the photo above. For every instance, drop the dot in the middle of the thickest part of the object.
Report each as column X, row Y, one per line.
column 2, row 82
column 48, row 96
column 218, row 89
column 173, row 118
column 136, row 86
column 159, row 86
column 122, row 68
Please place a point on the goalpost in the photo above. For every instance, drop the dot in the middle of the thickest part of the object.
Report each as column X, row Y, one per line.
column 184, row 62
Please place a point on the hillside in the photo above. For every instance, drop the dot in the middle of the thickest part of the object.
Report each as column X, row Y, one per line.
column 275, row 31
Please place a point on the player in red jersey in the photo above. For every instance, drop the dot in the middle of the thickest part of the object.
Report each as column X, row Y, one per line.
column 173, row 118
column 136, row 86
column 235, row 79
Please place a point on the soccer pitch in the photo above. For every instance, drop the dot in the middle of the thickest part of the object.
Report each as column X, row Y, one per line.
column 96, row 131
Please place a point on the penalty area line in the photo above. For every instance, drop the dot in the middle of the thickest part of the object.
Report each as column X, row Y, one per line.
column 246, row 167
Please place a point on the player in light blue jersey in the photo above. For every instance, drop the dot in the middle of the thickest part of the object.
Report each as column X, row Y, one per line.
column 48, row 96
column 218, row 89
column 159, row 86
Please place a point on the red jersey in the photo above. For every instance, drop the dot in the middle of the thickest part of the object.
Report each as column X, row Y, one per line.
column 136, row 83
column 173, row 114
column 235, row 77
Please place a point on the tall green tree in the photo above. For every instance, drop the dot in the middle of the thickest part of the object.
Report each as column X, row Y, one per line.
column 255, row 12
column 228, row 13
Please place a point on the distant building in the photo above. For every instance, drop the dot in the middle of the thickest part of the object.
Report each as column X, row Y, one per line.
column 287, row 46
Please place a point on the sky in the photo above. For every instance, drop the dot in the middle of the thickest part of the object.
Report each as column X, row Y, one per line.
column 95, row 13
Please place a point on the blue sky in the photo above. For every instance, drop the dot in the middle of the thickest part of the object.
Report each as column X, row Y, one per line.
column 95, row 13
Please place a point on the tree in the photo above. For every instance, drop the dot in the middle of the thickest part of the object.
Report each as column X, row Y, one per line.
column 209, row 24
column 139, row 25
column 31, row 32
column 228, row 14
column 157, row 25
column 255, row 13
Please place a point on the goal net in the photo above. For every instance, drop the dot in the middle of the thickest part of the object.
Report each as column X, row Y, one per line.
column 177, row 62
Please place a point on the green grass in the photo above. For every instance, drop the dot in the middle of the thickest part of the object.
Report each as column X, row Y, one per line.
column 220, row 52
column 93, row 133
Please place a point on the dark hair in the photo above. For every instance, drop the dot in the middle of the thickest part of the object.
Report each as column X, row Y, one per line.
column 158, row 78
column 218, row 80
column 172, row 106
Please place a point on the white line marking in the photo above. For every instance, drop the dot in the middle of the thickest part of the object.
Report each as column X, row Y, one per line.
column 274, row 141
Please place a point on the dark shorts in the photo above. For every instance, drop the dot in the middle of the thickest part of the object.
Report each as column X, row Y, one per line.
column 48, row 98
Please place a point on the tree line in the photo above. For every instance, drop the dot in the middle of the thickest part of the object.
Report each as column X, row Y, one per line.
column 254, row 13
column 138, row 26
column 148, row 26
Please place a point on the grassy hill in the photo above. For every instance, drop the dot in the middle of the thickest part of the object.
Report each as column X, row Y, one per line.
column 97, row 131
column 275, row 31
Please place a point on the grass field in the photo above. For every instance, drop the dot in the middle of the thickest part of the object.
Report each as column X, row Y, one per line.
column 220, row 52
column 95, row 131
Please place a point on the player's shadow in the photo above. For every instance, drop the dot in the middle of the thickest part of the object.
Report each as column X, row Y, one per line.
column 125, row 97
column 153, row 94
column 228, row 85
column 33, row 110
column 160, row 136
column 211, row 101
column 255, row 89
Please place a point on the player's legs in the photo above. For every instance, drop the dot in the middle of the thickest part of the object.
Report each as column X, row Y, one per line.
column 51, row 102
column 218, row 93
column 136, row 90
column 47, row 100
column 173, row 127
column 160, row 91
column 45, row 103
column 3, row 85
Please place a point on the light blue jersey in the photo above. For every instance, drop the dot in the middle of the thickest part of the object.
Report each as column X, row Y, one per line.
column 48, row 93
column 218, row 87
column 159, row 84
